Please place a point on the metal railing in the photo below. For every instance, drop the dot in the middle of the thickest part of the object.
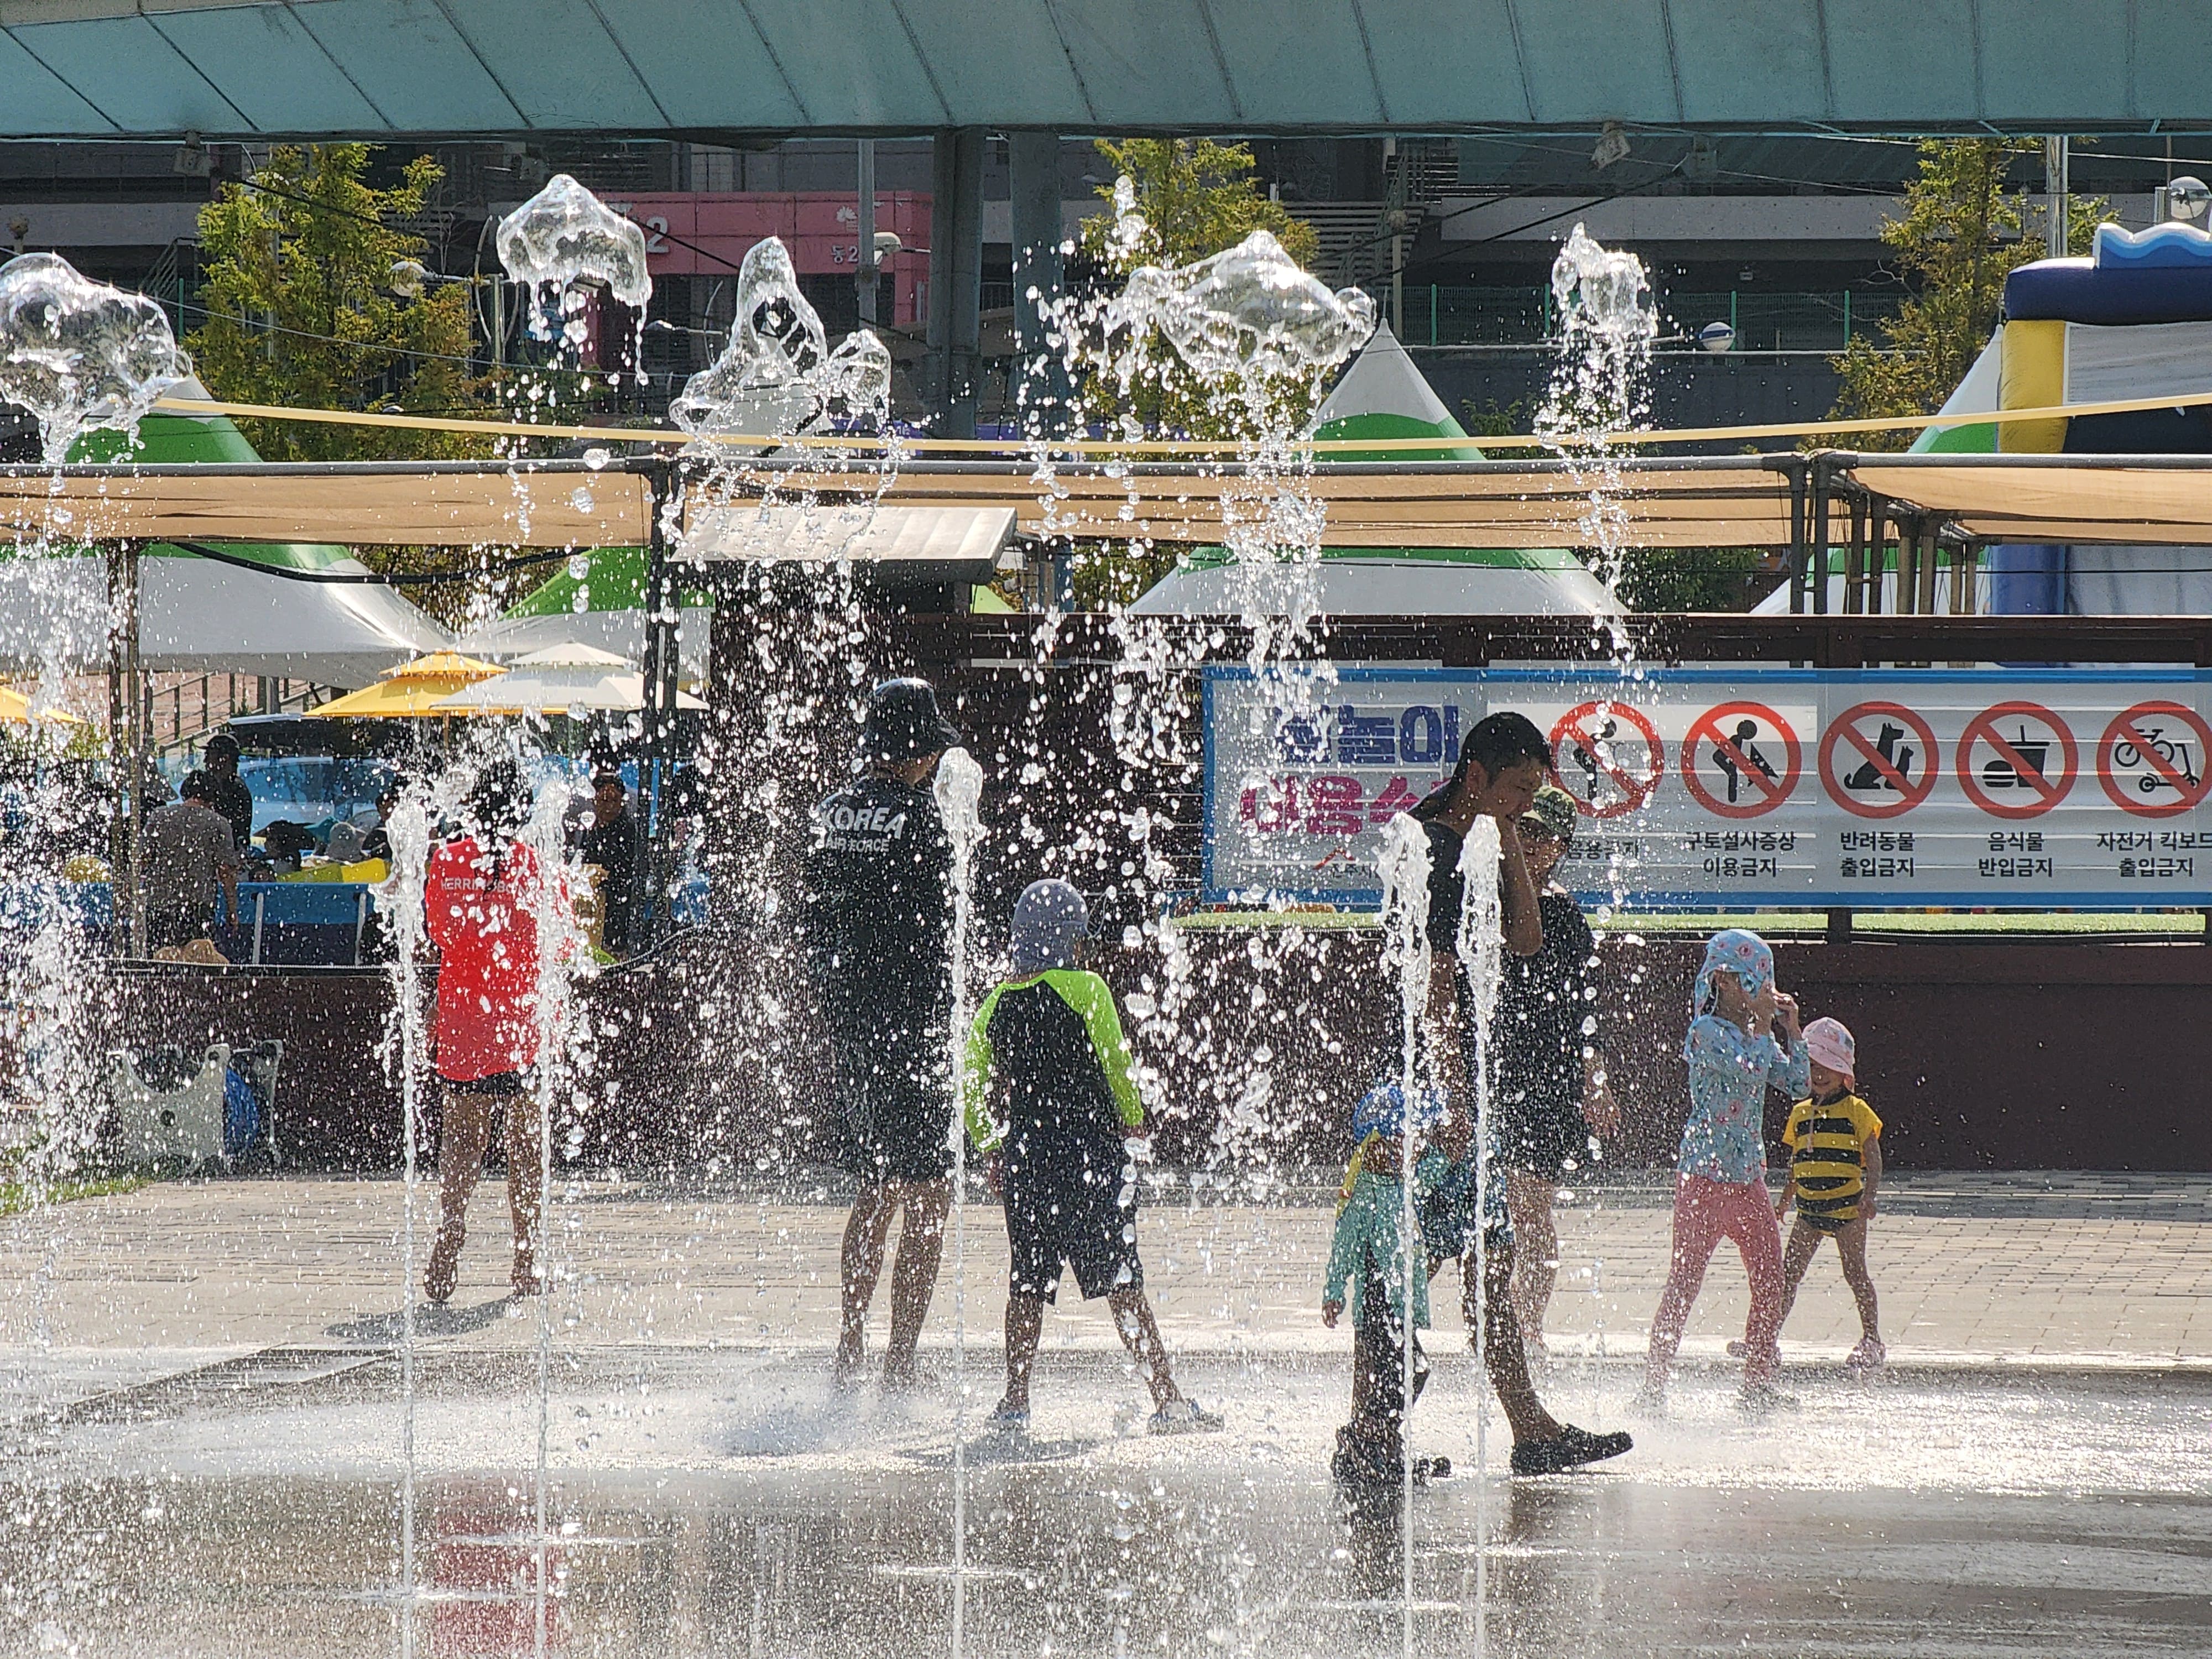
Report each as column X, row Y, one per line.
column 1823, row 320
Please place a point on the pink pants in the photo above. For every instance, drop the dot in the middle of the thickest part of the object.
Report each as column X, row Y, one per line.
column 1705, row 1212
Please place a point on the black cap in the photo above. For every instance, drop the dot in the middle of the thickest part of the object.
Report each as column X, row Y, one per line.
column 221, row 746
column 904, row 723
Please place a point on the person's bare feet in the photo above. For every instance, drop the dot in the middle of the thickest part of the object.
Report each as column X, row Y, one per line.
column 525, row 1280
column 443, row 1273
column 902, row 1373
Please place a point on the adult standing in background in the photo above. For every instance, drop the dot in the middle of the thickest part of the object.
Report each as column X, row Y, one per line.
column 230, row 798
column 612, row 846
column 187, row 853
column 876, row 912
column 1550, row 1087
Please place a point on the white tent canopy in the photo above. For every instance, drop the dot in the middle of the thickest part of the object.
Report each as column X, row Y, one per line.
column 196, row 616
column 555, row 680
column 621, row 632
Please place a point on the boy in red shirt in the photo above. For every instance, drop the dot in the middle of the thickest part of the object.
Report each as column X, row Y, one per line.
column 479, row 895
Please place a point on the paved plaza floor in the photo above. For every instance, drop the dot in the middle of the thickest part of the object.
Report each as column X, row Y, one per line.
column 213, row 1439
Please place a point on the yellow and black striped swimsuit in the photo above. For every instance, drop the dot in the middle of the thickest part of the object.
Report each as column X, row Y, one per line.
column 1828, row 1141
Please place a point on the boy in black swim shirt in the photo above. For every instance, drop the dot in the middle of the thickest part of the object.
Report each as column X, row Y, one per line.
column 1058, row 1160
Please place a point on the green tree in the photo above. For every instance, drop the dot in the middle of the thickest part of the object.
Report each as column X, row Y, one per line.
column 1692, row 579
column 302, row 311
column 1958, row 235
column 1197, row 198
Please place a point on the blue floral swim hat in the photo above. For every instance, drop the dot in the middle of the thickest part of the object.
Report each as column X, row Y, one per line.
column 1382, row 1111
column 1735, row 951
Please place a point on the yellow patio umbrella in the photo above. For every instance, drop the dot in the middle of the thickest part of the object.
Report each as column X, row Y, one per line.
column 15, row 710
column 410, row 691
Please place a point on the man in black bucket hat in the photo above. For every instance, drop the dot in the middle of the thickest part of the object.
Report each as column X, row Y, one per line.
column 876, row 911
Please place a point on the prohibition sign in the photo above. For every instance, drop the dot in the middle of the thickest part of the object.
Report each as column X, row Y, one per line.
column 1734, row 749
column 2160, row 763
column 1578, row 726
column 2040, row 792
column 1910, row 790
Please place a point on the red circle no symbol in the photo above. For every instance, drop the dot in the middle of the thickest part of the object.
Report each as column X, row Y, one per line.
column 2162, row 763
column 1884, row 788
column 2017, row 759
column 1735, row 752
column 1597, row 763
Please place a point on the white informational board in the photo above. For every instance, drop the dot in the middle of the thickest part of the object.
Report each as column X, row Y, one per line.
column 1704, row 788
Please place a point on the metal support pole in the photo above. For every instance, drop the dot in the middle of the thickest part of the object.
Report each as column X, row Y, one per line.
column 662, row 669
column 1818, row 524
column 955, row 278
column 2055, row 192
column 1801, row 548
column 863, row 283
column 126, row 749
column 1033, row 173
column 1855, row 559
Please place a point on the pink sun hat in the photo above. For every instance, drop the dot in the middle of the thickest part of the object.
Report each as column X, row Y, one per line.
column 1829, row 1041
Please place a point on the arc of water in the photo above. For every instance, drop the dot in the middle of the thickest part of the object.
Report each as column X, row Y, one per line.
column 399, row 899
column 1403, row 862
column 1481, row 949
column 564, row 957
column 959, row 790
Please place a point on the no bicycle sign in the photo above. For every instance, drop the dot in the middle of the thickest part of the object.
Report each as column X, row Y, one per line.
column 1744, row 786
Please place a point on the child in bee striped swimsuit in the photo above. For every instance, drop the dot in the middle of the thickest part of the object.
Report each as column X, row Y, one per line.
column 1835, row 1167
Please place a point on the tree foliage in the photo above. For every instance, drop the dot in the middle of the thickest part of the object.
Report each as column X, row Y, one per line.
column 1690, row 579
column 1197, row 198
column 300, row 309
column 1958, row 235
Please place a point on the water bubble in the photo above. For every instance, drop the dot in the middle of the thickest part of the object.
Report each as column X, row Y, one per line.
column 1596, row 288
column 959, row 791
column 565, row 237
column 1250, row 311
column 597, row 457
column 777, row 375
column 581, row 499
column 78, row 354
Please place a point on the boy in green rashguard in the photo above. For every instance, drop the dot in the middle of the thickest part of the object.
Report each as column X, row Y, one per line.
column 1053, row 1036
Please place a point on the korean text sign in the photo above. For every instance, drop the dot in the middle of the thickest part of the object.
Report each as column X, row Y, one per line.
column 1745, row 785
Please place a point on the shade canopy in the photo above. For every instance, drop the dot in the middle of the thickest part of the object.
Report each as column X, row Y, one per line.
column 254, row 71
column 410, row 690
column 893, row 543
column 603, row 605
column 15, row 710
column 557, row 680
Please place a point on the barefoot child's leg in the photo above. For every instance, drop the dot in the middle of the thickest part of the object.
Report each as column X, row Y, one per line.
column 1851, row 1244
column 1804, row 1242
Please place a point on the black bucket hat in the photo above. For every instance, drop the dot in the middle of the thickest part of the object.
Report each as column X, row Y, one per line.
column 904, row 723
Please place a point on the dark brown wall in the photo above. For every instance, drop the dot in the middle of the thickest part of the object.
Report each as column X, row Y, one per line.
column 2011, row 1055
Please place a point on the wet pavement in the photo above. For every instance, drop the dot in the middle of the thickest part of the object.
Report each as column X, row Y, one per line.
column 209, row 1434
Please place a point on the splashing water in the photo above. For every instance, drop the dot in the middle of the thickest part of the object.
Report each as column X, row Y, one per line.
column 1250, row 313
column 1602, row 383
column 80, row 355
column 1482, row 956
column 400, row 900
column 564, row 238
column 777, row 375
column 1402, row 862
column 959, row 790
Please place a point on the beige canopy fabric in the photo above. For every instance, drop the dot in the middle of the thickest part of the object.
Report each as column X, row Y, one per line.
column 1725, row 503
column 378, row 505
column 2025, row 498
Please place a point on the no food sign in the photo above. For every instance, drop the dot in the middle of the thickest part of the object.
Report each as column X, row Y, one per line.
column 2017, row 759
